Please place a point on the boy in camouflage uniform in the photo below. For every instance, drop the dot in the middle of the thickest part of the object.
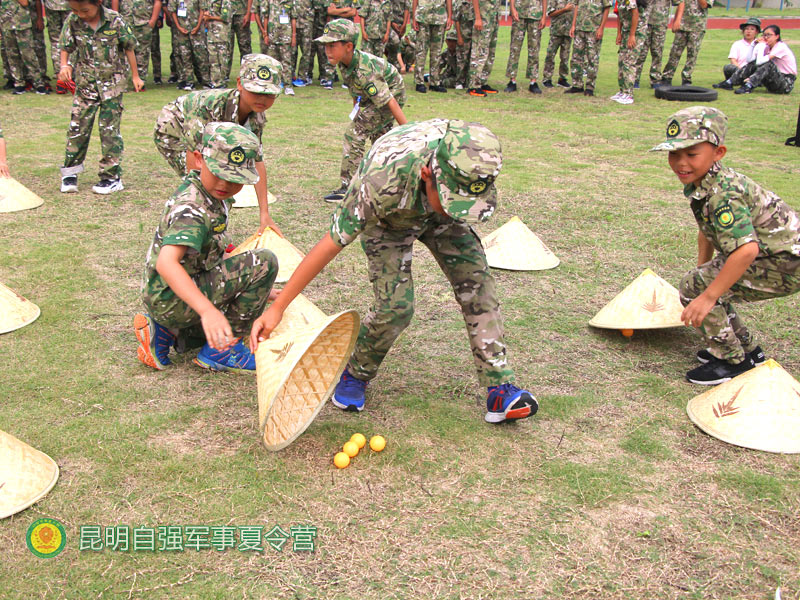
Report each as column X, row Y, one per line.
column 191, row 289
column 527, row 16
column 377, row 90
column 304, row 36
column 464, row 19
column 689, row 27
column 375, row 25
column 430, row 19
column 39, row 45
column 399, row 21
column 630, row 34
column 188, row 39
column 449, row 69
column 484, row 42
column 97, row 43
column 561, row 13
column 279, row 31
column 217, row 18
column 179, row 126
column 141, row 15
column 588, row 26
column 56, row 12
column 16, row 25
column 756, row 236
column 241, row 11
column 654, row 37
column 425, row 181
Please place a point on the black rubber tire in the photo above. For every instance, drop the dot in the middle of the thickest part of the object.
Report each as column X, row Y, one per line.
column 686, row 93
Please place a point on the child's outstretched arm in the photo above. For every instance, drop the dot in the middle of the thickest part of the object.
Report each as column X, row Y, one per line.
column 397, row 112
column 736, row 264
column 216, row 328
column 634, row 25
column 4, row 172
column 311, row 266
column 262, row 193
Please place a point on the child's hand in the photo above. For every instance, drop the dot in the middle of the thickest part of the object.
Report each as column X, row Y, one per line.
column 697, row 310
column 598, row 35
column 265, row 221
column 631, row 42
column 65, row 73
column 619, row 38
column 514, row 14
column 138, row 84
column 414, row 24
column 264, row 325
column 4, row 172
column 246, row 20
column 216, row 328
column 542, row 22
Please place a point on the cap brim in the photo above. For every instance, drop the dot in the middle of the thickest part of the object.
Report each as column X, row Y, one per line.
column 451, row 195
column 327, row 38
column 675, row 145
column 260, row 87
column 241, row 175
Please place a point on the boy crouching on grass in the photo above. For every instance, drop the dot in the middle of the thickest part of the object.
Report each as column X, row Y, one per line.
column 756, row 236
column 192, row 290
column 423, row 181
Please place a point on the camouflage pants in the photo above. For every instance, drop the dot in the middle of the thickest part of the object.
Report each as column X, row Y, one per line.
column 585, row 57
column 557, row 43
column 239, row 287
column 481, row 60
column 722, row 330
column 21, row 55
column 243, row 37
column 55, row 23
column 155, row 53
column 458, row 251
column 109, row 114
column 767, row 75
column 653, row 43
column 463, row 52
column 429, row 41
column 283, row 53
column 449, row 72
column 219, row 50
column 40, row 48
column 305, row 44
column 374, row 46
column 628, row 57
column 325, row 68
column 370, row 123
column 728, row 70
column 518, row 31
column 191, row 57
column 168, row 137
column 144, row 37
column 392, row 49
column 4, row 56
column 690, row 40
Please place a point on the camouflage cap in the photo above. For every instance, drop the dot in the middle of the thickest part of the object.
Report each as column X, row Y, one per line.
column 755, row 22
column 466, row 163
column 452, row 35
column 339, row 30
column 692, row 126
column 230, row 152
column 260, row 74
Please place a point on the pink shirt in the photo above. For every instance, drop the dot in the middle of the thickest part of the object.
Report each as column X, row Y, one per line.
column 784, row 59
column 742, row 52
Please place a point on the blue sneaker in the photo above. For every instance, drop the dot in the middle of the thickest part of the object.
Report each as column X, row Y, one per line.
column 349, row 393
column 155, row 341
column 298, row 82
column 507, row 402
column 236, row 358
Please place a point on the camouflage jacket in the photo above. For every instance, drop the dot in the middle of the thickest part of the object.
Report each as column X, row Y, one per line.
column 303, row 10
column 56, row 5
column 590, row 13
column 431, row 12
column 463, row 11
column 529, row 9
column 238, row 7
column 694, row 17
column 217, row 8
column 399, row 8
column 489, row 10
column 203, row 107
column 98, row 57
column 324, row 4
column 374, row 79
column 193, row 11
column 561, row 24
column 732, row 210
column 275, row 12
column 14, row 16
column 375, row 14
column 658, row 11
column 387, row 189
column 192, row 218
column 136, row 12
column 626, row 5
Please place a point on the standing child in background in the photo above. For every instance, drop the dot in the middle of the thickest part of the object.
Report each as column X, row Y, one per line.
column 378, row 95
column 430, row 19
column 630, row 34
column 588, row 26
column 527, row 16
column 188, row 38
column 755, row 234
column 463, row 19
column 657, row 17
column 398, row 23
column 484, row 43
column 57, row 12
column 217, row 18
column 96, row 39
column 375, row 25
column 16, row 26
column 241, row 11
column 141, row 16
column 408, row 50
column 279, row 31
column 689, row 26
column 561, row 13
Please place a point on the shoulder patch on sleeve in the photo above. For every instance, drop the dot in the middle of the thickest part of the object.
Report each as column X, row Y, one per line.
column 371, row 89
column 724, row 216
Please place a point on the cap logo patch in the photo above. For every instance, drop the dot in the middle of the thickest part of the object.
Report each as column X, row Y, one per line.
column 220, row 228
column 724, row 216
column 327, row 29
column 236, row 156
column 371, row 89
column 673, row 129
column 264, row 74
column 478, row 187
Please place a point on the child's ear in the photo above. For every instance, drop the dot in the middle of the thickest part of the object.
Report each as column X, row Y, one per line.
column 720, row 153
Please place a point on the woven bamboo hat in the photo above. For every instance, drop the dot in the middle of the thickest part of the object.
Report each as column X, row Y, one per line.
column 288, row 256
column 15, row 311
column 15, row 196
column 247, row 197
column 298, row 367
column 515, row 247
column 26, row 475
column 649, row 302
column 759, row 409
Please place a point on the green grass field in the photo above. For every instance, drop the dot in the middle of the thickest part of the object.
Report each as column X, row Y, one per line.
column 608, row 492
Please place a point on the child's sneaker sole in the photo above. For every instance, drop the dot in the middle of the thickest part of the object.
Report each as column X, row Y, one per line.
column 141, row 325
column 513, row 414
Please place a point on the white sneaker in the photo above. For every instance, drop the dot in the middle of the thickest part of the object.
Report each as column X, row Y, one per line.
column 289, row 91
column 624, row 99
column 108, row 186
column 459, row 86
column 69, row 184
column 616, row 96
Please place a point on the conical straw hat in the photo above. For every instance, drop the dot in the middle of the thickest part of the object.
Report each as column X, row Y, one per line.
column 759, row 409
column 513, row 246
column 15, row 311
column 288, row 256
column 247, row 198
column 15, row 196
column 297, row 369
column 649, row 302
column 26, row 475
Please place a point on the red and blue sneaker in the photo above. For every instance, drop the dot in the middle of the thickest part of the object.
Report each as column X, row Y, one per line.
column 155, row 341
column 349, row 393
column 507, row 402
column 236, row 358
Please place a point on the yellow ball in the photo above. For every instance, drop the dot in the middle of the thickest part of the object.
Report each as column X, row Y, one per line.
column 350, row 448
column 341, row 460
column 377, row 443
column 359, row 439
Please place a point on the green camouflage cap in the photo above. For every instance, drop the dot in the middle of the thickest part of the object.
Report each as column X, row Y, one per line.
column 230, row 151
column 260, row 74
column 692, row 126
column 339, row 30
column 751, row 21
column 466, row 163
column 452, row 35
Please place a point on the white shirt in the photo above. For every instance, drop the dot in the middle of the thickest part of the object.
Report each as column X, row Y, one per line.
column 742, row 52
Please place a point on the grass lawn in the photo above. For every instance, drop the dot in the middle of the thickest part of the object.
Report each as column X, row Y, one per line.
column 608, row 492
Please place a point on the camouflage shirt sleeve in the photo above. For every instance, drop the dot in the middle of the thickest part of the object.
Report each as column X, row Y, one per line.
column 66, row 40
column 187, row 226
column 376, row 90
column 730, row 217
column 350, row 216
column 127, row 41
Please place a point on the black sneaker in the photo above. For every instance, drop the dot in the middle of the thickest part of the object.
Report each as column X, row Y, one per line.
column 758, row 356
column 488, row 89
column 723, row 85
column 19, row 89
column 69, row 184
column 439, row 88
column 574, row 90
column 172, row 79
column 511, row 87
column 718, row 371
column 9, row 85
column 326, row 84
column 421, row 88
column 336, row 195
column 157, row 81
column 547, row 83
column 588, row 91
column 533, row 88
column 686, row 82
column 745, row 89
column 476, row 92
column 562, row 82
